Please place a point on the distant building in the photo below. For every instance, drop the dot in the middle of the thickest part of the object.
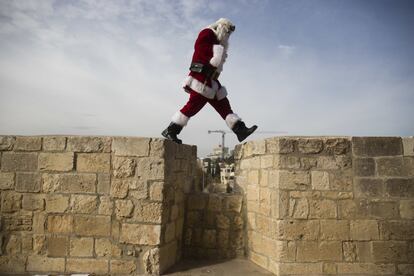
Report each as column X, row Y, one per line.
column 218, row 151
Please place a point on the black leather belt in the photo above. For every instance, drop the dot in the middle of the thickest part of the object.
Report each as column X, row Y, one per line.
column 205, row 69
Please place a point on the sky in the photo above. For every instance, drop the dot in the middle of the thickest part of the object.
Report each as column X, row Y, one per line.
column 320, row 67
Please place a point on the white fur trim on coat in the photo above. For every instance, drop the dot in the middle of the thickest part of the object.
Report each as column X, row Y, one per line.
column 221, row 93
column 199, row 87
column 231, row 119
column 180, row 119
column 218, row 52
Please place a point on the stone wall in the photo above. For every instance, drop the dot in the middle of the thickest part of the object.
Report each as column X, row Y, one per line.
column 329, row 205
column 214, row 226
column 103, row 205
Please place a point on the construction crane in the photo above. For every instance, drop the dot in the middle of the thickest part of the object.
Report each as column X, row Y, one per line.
column 224, row 132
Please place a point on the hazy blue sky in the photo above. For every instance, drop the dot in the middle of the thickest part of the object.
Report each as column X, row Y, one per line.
column 115, row 67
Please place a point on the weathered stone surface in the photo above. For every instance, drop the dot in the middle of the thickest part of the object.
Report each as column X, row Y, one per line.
column 341, row 180
column 33, row 202
column 365, row 269
column 120, row 187
column 280, row 145
column 389, row 251
column 376, row 146
column 150, row 168
column 390, row 166
column 337, row 145
column 92, row 225
column 123, row 208
column 54, row 143
column 27, row 182
column 300, row 268
column 61, row 162
column 81, row 247
column 140, row 234
column 396, row 230
column 334, row 230
column 151, row 260
column 383, row 209
column 26, row 143
column 399, row 187
column 7, row 143
column 148, row 212
column 364, row 230
column 407, row 209
column 105, row 206
column 169, row 232
column 123, row 266
column 253, row 148
column 93, row 162
column 297, row 229
column 124, row 167
column 104, row 183
column 233, row 203
column 84, row 265
column 292, row 180
column 209, row 238
column 105, row 248
column 299, row 208
column 406, row 269
column 130, row 146
column 89, row 144
column 197, row 202
column 156, row 191
column 6, row 181
column 324, row 208
column 83, row 204
column 10, row 202
column 56, row 203
column 311, row 251
column 310, row 146
column 60, row 223
column 57, row 246
column 18, row 161
column 320, row 180
column 13, row 246
column 364, row 166
column 408, row 145
column 369, row 187
column 43, row 264
column 69, row 183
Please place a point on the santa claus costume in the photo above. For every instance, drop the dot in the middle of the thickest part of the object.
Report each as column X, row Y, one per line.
column 210, row 53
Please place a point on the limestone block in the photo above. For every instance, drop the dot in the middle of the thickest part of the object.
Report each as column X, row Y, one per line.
column 288, row 162
column 264, row 178
column 407, row 209
column 104, row 183
column 13, row 246
column 27, row 182
column 299, row 208
column 406, row 269
column 341, row 180
column 364, row 230
column 237, row 240
column 334, row 230
column 292, row 180
column 151, row 261
column 81, row 247
column 156, row 191
column 123, row 266
column 6, row 181
column 265, row 226
column 61, row 162
column 120, row 187
column 369, row 187
column 389, row 251
column 222, row 221
column 59, row 223
column 378, row 209
column 253, row 177
column 310, row 145
column 253, row 148
column 18, row 161
column 364, row 166
column 39, row 244
column 357, row 251
column 89, row 144
column 150, row 168
column 12, row 264
column 124, row 167
column 57, row 246
column 365, row 269
column 233, row 203
column 93, row 162
column 105, row 206
column 408, row 145
column 324, row 208
column 56, row 203
column 337, row 146
column 27, row 244
column 312, row 251
column 26, row 143
column 140, row 234
column 197, row 202
column 54, row 143
column 10, row 202
column 320, row 180
column 215, row 203
column 148, row 212
column 194, row 218
column 280, row 145
column 408, row 166
column 399, row 187
column 209, row 238
column 130, row 146
column 80, row 265
column 92, row 225
column 123, row 208
column 300, row 268
column 329, row 268
column 390, row 166
column 376, row 146
column 39, row 221
column 396, row 230
column 266, row 161
column 69, row 183
column 105, row 248
column 297, row 229
column 83, row 204
column 33, row 202
column 238, row 222
column 7, row 143
column 169, row 232
column 44, row 264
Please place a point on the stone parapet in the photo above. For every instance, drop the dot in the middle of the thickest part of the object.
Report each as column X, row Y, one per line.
column 329, row 205
column 102, row 205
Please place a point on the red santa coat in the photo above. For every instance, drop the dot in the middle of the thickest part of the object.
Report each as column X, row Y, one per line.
column 207, row 50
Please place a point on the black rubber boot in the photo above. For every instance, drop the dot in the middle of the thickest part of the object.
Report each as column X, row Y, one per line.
column 171, row 132
column 242, row 131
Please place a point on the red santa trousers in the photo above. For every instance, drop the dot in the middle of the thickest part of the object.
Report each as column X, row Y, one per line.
column 198, row 101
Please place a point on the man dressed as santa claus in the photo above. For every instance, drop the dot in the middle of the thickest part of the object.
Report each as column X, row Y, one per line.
column 210, row 53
